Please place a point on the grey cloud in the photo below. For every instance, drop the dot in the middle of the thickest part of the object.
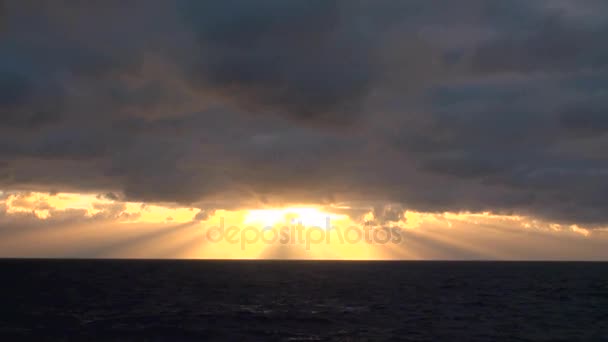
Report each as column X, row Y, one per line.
column 25, row 103
column 203, row 215
column 553, row 46
column 109, row 196
column 387, row 214
column 483, row 106
column 586, row 119
column 297, row 58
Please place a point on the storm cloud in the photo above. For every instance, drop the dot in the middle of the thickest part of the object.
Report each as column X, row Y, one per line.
column 423, row 105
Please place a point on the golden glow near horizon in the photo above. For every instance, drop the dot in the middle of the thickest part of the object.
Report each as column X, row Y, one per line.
column 40, row 204
column 88, row 225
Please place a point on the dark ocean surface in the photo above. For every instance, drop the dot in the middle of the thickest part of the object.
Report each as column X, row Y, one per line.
column 80, row 300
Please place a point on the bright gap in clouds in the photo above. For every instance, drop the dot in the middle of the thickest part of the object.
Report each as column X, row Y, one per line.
column 305, row 216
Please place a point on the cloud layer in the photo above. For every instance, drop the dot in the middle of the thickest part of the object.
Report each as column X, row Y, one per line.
column 483, row 106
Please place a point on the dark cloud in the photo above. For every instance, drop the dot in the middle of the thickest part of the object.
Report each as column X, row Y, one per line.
column 109, row 196
column 298, row 58
column 586, row 119
column 483, row 106
column 552, row 45
column 387, row 214
column 203, row 215
column 25, row 103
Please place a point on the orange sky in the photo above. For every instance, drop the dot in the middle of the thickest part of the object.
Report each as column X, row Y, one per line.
column 87, row 225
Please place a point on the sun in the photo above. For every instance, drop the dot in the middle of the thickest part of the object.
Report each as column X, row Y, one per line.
column 305, row 216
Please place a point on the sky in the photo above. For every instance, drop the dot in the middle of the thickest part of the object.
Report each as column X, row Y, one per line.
column 477, row 129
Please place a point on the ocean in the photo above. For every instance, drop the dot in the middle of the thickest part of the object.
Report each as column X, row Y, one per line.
column 154, row 300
